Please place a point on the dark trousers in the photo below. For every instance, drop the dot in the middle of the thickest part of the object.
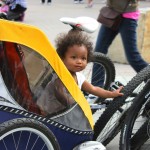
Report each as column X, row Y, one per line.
column 48, row 1
column 128, row 34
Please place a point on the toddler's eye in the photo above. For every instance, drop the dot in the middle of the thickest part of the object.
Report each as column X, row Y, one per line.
column 73, row 57
column 84, row 58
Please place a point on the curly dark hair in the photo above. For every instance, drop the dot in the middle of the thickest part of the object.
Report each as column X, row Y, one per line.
column 65, row 40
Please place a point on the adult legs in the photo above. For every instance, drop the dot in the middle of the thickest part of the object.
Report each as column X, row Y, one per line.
column 104, row 40
column 49, row 1
column 43, row 1
column 89, row 4
column 129, row 39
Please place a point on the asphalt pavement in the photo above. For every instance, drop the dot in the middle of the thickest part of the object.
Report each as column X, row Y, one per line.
column 46, row 17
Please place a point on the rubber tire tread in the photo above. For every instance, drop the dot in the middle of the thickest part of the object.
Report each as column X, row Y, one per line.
column 108, row 65
column 141, row 135
column 118, row 102
column 27, row 122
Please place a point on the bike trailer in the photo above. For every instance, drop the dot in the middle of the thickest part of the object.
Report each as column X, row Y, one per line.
column 41, row 106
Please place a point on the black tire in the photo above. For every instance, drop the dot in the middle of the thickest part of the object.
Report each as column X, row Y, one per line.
column 103, row 76
column 116, row 111
column 104, row 63
column 140, row 139
column 24, row 133
column 136, row 127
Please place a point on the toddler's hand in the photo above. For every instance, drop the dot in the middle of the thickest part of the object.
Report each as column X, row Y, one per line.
column 117, row 92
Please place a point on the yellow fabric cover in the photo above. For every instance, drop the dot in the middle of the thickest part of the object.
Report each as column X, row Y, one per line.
column 34, row 38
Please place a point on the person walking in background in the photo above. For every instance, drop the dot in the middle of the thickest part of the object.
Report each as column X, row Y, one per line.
column 127, row 30
column 16, row 10
column 89, row 4
column 78, row 1
column 3, row 6
column 48, row 1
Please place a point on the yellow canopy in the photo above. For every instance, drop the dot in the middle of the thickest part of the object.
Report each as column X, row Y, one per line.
column 34, row 38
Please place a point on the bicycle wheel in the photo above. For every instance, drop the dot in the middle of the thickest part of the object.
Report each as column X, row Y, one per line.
column 109, row 123
column 104, row 75
column 135, row 132
column 29, row 134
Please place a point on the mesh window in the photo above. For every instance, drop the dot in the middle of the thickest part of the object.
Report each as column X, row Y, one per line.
column 31, row 80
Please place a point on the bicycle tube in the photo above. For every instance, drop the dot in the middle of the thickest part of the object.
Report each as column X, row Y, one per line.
column 135, row 130
column 116, row 107
column 104, row 63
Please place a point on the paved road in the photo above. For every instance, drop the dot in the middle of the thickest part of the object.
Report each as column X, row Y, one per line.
column 46, row 17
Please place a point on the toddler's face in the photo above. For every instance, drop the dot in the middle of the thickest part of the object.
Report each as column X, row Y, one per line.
column 76, row 58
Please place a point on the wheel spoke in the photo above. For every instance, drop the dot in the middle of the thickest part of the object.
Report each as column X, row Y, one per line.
column 19, row 139
column 35, row 142
column 28, row 141
column 5, row 145
column 14, row 141
column 25, row 134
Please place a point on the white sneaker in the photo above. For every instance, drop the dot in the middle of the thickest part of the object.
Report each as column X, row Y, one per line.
column 76, row 2
column 89, row 5
column 90, row 145
column 104, row 1
column 81, row 2
column 91, row 98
